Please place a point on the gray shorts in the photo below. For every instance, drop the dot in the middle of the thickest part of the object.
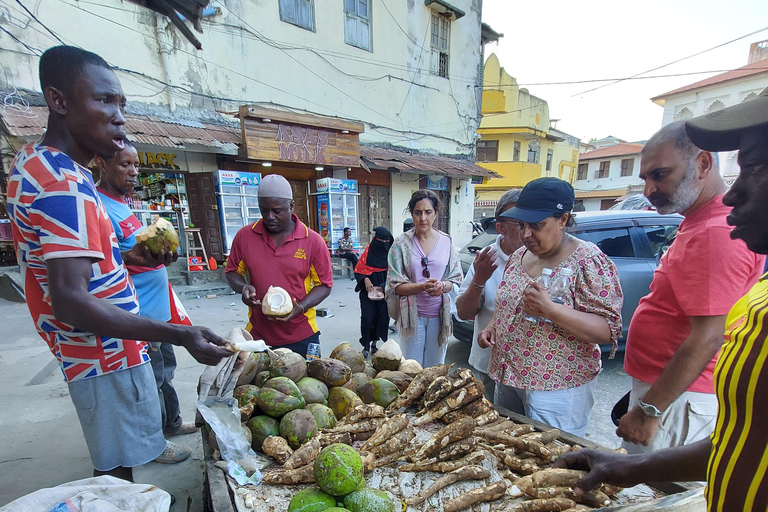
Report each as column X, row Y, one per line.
column 120, row 416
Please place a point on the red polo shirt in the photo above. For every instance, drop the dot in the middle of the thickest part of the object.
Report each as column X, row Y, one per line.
column 297, row 265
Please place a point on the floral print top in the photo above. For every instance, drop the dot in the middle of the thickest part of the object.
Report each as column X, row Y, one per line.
column 541, row 355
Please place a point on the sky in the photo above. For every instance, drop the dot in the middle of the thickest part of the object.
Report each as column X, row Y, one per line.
column 566, row 40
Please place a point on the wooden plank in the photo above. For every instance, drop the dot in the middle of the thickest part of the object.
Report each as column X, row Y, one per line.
column 218, row 498
column 255, row 111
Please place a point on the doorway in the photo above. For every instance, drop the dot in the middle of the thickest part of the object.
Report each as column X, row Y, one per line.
column 373, row 205
column 204, row 211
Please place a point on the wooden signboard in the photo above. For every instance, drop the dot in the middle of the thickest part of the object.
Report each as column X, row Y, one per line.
column 273, row 135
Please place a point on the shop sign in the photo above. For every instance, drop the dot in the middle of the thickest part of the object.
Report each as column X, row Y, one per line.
column 478, row 180
column 239, row 178
column 158, row 160
column 437, row 183
column 335, row 185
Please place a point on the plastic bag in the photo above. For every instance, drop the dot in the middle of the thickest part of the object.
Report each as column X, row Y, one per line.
column 223, row 416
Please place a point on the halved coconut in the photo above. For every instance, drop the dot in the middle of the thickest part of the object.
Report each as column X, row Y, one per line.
column 277, row 302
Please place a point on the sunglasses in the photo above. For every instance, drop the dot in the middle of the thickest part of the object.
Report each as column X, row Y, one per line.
column 424, row 263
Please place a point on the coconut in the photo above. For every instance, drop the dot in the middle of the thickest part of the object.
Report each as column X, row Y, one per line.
column 279, row 396
column 246, row 412
column 410, row 366
column 277, row 302
column 323, row 414
column 357, row 381
column 291, row 365
column 261, row 378
column 246, row 394
column 247, row 433
column 338, row 469
column 369, row 500
column 342, row 401
column 388, row 357
column 255, row 362
column 379, row 391
column 370, row 370
column 262, row 427
column 311, row 500
column 298, row 427
column 346, row 353
column 313, row 390
column 331, row 372
column 159, row 236
column 399, row 379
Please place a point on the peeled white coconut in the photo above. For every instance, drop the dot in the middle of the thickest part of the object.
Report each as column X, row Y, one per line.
column 388, row 357
column 410, row 367
column 276, row 302
column 239, row 339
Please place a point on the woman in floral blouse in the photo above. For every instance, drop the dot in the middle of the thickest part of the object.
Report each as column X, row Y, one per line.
column 547, row 369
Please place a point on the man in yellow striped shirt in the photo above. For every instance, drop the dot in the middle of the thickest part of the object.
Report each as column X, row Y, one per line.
column 735, row 459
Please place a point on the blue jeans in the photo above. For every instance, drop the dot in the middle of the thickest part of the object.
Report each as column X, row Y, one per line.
column 163, row 366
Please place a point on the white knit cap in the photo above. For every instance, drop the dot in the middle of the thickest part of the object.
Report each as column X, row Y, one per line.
column 274, row 185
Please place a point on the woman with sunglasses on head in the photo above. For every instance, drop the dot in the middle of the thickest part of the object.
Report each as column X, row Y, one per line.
column 371, row 276
column 423, row 269
column 545, row 356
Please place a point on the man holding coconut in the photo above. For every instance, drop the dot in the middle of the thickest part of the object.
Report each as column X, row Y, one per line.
column 280, row 251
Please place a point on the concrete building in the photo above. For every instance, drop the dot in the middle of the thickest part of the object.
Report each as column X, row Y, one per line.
column 607, row 174
column 403, row 78
column 516, row 140
column 717, row 92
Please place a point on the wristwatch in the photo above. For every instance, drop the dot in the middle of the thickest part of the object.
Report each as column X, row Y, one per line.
column 649, row 410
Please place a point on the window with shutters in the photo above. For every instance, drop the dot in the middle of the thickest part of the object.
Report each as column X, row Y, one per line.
column 583, row 169
column 603, row 170
column 516, row 152
column 357, row 23
column 533, row 152
column 440, row 38
column 487, row 151
column 627, row 166
column 550, row 153
column 298, row 12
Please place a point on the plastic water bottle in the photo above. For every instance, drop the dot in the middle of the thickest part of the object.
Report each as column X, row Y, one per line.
column 313, row 351
column 560, row 289
column 543, row 281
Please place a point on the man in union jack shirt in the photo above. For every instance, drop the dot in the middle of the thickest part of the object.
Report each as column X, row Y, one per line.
column 78, row 291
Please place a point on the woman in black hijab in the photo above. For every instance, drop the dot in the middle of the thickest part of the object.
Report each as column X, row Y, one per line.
column 371, row 276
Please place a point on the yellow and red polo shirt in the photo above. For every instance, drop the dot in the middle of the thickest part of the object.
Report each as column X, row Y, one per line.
column 739, row 459
column 297, row 265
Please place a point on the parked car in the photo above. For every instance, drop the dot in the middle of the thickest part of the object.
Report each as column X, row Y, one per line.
column 634, row 239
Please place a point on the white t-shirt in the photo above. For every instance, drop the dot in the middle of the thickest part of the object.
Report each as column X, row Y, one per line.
column 479, row 357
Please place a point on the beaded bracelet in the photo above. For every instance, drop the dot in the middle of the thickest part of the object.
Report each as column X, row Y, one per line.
column 481, row 286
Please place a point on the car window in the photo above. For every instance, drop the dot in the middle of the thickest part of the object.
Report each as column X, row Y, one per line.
column 480, row 241
column 660, row 238
column 615, row 243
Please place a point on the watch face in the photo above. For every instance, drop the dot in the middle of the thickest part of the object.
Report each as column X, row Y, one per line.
column 650, row 410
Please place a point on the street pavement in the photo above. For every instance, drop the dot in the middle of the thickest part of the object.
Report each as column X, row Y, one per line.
column 42, row 445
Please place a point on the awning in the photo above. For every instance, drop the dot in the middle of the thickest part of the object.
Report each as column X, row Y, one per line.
column 30, row 123
column 587, row 194
column 395, row 160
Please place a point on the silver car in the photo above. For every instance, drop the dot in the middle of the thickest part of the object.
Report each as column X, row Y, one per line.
column 634, row 239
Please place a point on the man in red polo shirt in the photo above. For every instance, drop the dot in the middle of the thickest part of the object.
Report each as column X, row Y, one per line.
column 279, row 250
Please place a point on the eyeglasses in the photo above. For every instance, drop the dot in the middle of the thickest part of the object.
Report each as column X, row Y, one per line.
column 424, row 263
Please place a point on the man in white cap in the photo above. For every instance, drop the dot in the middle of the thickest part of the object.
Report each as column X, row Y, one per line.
column 279, row 250
column 734, row 458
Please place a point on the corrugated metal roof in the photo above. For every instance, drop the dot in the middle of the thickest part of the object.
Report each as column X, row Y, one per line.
column 612, row 151
column 29, row 124
column 403, row 161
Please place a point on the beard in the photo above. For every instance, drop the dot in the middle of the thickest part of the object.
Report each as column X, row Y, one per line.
column 684, row 196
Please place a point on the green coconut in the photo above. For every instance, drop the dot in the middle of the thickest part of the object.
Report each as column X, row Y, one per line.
column 313, row 390
column 336, row 509
column 369, row 500
column 400, row 379
column 379, row 391
column 338, row 469
column 261, row 378
column 246, row 394
column 311, row 500
column 297, row 427
column 342, row 401
column 331, row 372
column 353, row 358
column 323, row 414
column 370, row 370
column 159, row 236
column 255, row 362
column 291, row 365
column 279, row 396
column 262, row 427
column 357, row 381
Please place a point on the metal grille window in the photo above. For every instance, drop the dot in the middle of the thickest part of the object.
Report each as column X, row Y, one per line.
column 533, row 152
column 357, row 23
column 298, row 12
column 516, row 152
column 583, row 170
column 440, row 37
column 602, row 172
column 627, row 165
column 549, row 159
column 487, row 151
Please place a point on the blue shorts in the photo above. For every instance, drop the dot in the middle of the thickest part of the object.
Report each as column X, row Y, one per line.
column 120, row 416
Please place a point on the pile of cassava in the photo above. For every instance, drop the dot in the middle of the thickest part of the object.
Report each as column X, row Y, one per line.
column 332, row 420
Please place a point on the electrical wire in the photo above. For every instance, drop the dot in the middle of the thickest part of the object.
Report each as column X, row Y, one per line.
column 40, row 22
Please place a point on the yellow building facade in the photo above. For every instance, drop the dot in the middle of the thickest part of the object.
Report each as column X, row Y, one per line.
column 516, row 140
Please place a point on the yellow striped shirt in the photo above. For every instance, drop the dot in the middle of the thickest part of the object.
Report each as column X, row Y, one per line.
column 737, row 466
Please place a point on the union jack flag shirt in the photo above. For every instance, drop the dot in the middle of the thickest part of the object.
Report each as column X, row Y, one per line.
column 56, row 212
